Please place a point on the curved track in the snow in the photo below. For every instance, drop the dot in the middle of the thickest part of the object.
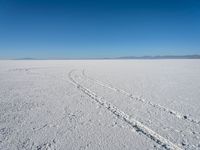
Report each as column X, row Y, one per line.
column 135, row 124
column 157, row 106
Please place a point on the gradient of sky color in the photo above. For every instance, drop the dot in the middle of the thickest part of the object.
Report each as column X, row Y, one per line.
column 98, row 28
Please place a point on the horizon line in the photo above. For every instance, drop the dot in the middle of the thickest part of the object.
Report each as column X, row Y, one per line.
column 193, row 56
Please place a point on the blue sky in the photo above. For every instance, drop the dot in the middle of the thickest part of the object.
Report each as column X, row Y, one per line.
column 98, row 28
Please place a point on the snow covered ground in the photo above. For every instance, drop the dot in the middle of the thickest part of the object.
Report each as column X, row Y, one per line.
column 100, row 104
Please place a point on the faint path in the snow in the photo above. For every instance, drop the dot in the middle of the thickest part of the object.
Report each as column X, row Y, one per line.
column 138, row 126
column 137, row 98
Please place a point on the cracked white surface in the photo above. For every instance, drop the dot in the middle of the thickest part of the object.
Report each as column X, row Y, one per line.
column 41, row 109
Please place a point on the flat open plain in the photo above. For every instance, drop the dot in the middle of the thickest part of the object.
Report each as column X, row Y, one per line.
column 99, row 104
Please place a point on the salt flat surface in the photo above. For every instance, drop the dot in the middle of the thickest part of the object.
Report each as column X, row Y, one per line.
column 100, row 104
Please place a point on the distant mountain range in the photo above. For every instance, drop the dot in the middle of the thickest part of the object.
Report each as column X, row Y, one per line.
column 162, row 57
column 123, row 57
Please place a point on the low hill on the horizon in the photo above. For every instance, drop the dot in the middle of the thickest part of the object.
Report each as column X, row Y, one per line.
column 162, row 57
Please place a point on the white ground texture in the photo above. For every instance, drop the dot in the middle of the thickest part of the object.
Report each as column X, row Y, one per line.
column 100, row 104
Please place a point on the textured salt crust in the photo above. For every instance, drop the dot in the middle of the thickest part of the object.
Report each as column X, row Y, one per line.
column 40, row 109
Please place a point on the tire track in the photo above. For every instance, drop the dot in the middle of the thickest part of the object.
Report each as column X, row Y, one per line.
column 138, row 126
column 137, row 98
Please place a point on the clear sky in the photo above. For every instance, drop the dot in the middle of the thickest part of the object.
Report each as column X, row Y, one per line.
column 98, row 28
